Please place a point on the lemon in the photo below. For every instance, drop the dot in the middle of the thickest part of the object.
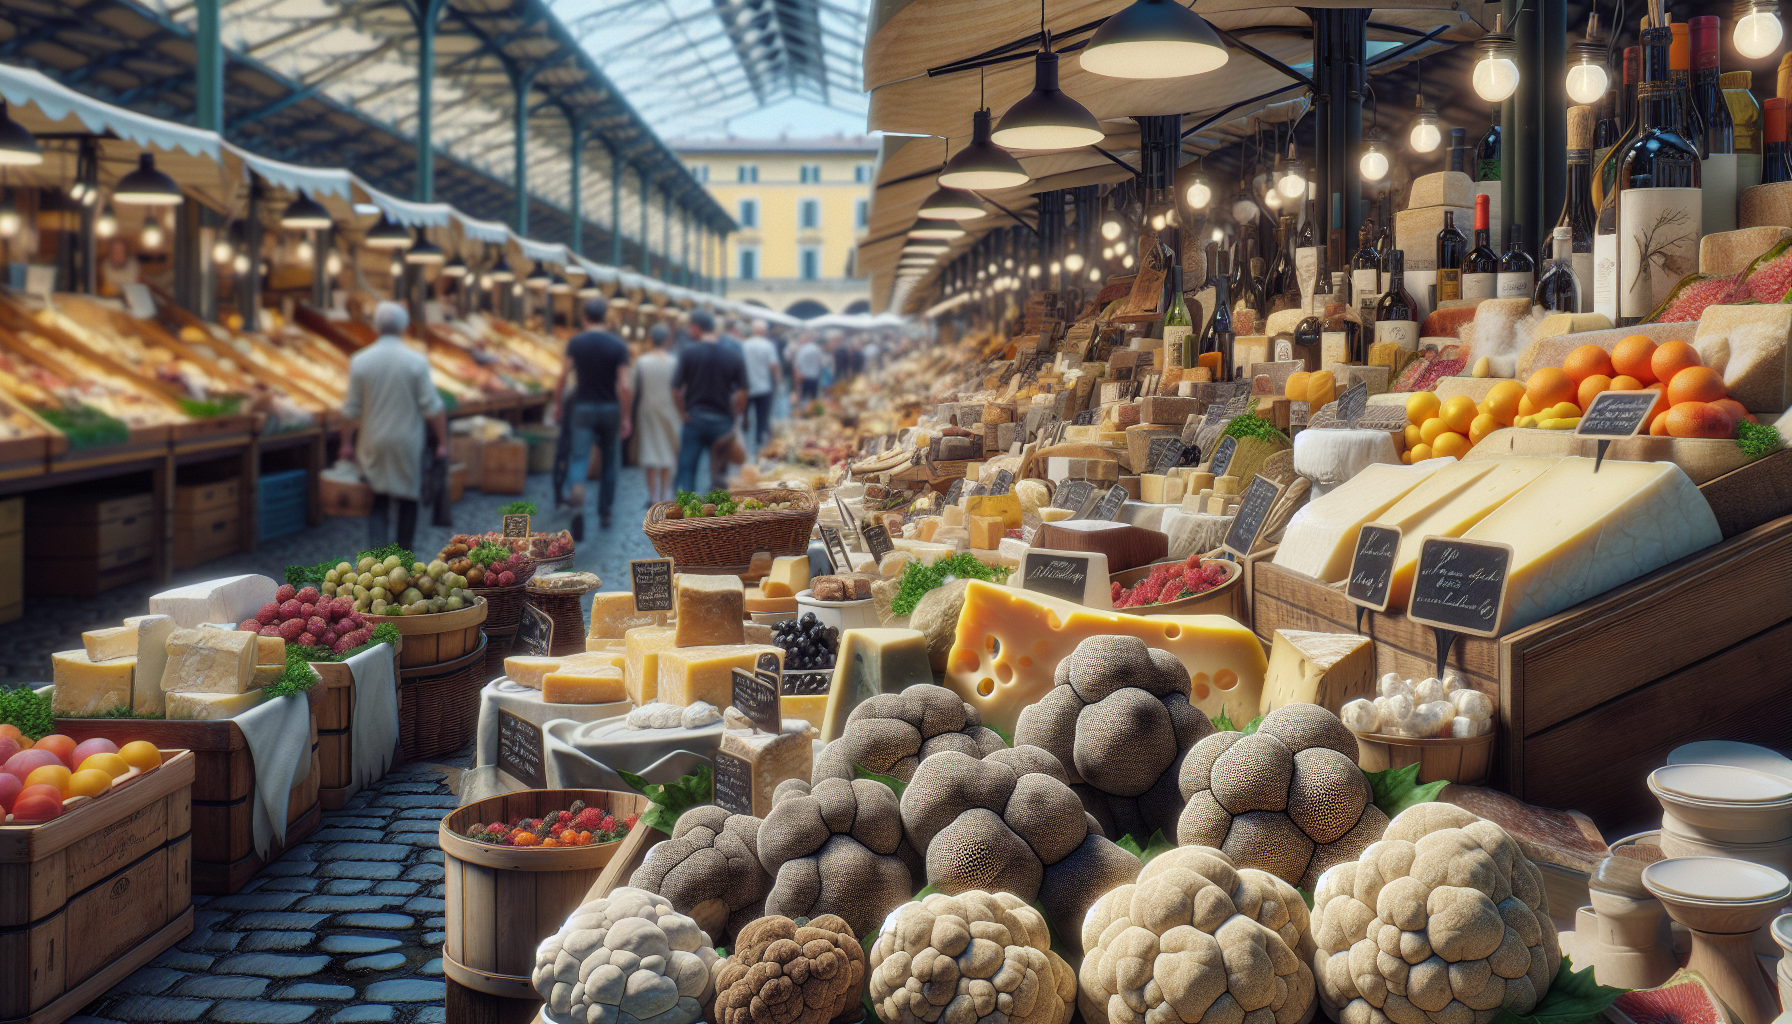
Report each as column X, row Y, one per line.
column 1483, row 425
column 1563, row 411
column 1458, row 413
column 1450, row 444
column 1412, row 436
column 1421, row 453
column 112, row 764
column 1432, row 427
column 1421, row 406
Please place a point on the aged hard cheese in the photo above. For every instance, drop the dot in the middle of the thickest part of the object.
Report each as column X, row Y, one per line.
column 755, row 601
column 231, row 599
column 1327, row 669
column 1576, row 534
column 986, row 532
column 1449, row 502
column 789, row 576
column 691, row 674
column 710, row 610
column 85, row 688
column 1003, row 506
column 529, row 670
column 771, row 757
column 1320, row 540
column 270, row 650
column 153, row 632
column 210, row 661
column 613, row 615
column 111, row 642
column 1009, row 643
column 584, row 685
column 644, row 645
column 870, row 662
column 211, row 707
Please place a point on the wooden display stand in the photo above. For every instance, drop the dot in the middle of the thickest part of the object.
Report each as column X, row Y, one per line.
column 1592, row 699
column 335, row 734
column 91, row 896
column 206, row 522
column 223, row 838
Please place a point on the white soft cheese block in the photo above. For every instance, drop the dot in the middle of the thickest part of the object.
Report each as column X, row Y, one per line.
column 1576, row 534
column 231, row 599
column 870, row 662
column 1038, row 563
column 1011, row 550
column 153, row 632
column 85, row 687
column 1330, row 457
column 771, row 757
column 1328, row 669
column 1320, row 540
column 210, row 661
column 211, row 707
column 1447, row 504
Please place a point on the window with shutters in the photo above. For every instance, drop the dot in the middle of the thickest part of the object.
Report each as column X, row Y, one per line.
column 747, row 174
column 809, row 174
column 749, row 263
column 809, row 215
column 749, row 213
column 809, row 259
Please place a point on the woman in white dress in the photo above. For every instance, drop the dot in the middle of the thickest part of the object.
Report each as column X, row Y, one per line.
column 656, row 417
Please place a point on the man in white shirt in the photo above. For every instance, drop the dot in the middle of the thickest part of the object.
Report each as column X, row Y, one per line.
column 761, row 357
column 805, row 365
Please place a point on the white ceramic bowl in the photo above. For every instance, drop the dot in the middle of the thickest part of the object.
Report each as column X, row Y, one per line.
column 1776, row 855
column 842, row 615
column 1723, row 803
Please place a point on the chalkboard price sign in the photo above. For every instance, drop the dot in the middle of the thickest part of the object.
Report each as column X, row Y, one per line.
column 1614, row 414
column 734, row 783
column 1074, row 495
column 1003, row 483
column 877, row 541
column 758, row 700
column 651, row 580
column 1108, row 509
column 1164, row 454
column 1059, row 574
column 1352, row 402
column 516, row 524
column 1372, row 569
column 1222, row 455
column 836, row 549
column 1460, row 585
column 534, row 632
column 1253, row 509
column 520, row 750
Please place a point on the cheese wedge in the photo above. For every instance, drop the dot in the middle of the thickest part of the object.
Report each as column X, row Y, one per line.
column 789, row 576
column 1320, row 540
column 691, row 674
column 211, row 707
column 153, row 632
column 1009, row 643
column 109, row 643
column 1447, row 504
column 85, row 688
column 870, row 662
column 266, row 675
column 613, row 614
column 770, row 758
column 1328, row 669
column 270, row 650
column 986, row 532
column 755, row 601
column 529, row 670
column 644, row 645
column 1576, row 534
column 588, row 685
column 210, row 660
column 1004, row 506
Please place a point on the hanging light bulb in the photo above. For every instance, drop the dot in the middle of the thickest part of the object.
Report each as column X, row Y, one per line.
column 1587, row 78
column 1073, row 262
column 1057, row 267
column 1110, row 229
column 1008, row 263
column 1219, row 235
column 1244, row 208
column 1273, row 199
column 1094, row 273
column 18, row 147
column 1120, row 246
column 1374, row 163
column 150, row 238
column 396, row 269
column 1425, row 136
column 1035, row 270
column 982, row 165
column 1047, row 118
column 10, row 221
column 304, row 252
column 1154, row 39
column 240, row 264
column 1199, row 194
column 1293, row 183
column 222, row 251
column 1126, row 261
column 1496, row 72
column 1758, row 31
column 1107, row 252
column 1157, row 222
column 333, row 263
column 106, row 224
column 517, row 288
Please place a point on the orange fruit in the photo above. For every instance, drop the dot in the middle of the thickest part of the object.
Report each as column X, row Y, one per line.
column 525, row 839
column 50, row 775
column 8, row 729
column 1696, row 384
column 1549, row 386
column 1658, row 425
column 1631, row 357
column 1412, row 436
column 113, row 765
column 1406, row 458
column 1457, row 414
column 1525, row 406
column 1450, row 444
column 1484, row 424
column 1503, row 401
column 1587, row 361
column 1421, row 406
column 89, row 782
column 1431, row 428
column 141, row 754
column 1625, row 382
column 1421, row 453
column 60, row 745
column 1670, row 358
column 1688, row 419
column 1737, row 412
column 1596, row 384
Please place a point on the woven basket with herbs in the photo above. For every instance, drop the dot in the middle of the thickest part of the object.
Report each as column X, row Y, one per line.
column 726, row 533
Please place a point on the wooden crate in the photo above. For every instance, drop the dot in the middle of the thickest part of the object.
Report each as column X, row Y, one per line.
column 344, row 499
column 223, row 842
column 207, row 497
column 465, row 451
column 204, row 536
column 12, row 558
column 457, row 481
column 503, row 467
column 1593, row 698
column 89, row 897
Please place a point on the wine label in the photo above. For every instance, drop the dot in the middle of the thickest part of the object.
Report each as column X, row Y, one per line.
column 1514, row 286
column 1605, row 276
column 1306, row 270
column 1176, row 342
column 1449, row 283
column 1476, row 287
column 1718, row 180
column 1334, row 347
column 1364, row 284
column 1582, row 262
column 1658, row 244
column 1404, row 333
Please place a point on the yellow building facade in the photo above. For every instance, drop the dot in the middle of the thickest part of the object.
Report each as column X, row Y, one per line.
column 802, row 206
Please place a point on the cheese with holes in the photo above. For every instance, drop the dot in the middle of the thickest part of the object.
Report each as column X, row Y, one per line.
column 85, row 688
column 1009, row 643
column 153, row 632
column 1576, row 534
column 1005, row 507
column 643, row 646
column 613, row 614
column 709, row 610
column 986, row 532
column 1328, row 669
column 584, row 685
column 1320, row 540
column 771, row 758
column 691, row 674
column 789, row 576
column 231, row 599
column 211, row 707
column 870, row 662
column 529, row 670
column 210, row 661
column 109, row 643
column 1447, row 504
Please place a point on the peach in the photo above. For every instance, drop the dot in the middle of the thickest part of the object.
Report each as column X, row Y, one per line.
column 25, row 762
column 87, row 748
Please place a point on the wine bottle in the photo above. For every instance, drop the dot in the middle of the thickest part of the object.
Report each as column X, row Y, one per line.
column 1578, row 215
column 1281, row 286
column 1692, row 121
column 1480, row 268
column 1607, row 128
column 1259, row 298
column 1309, row 340
column 1558, row 290
column 1605, row 192
column 1221, row 337
column 1384, row 242
column 1487, row 172
column 1179, row 326
column 1458, row 150
column 1708, row 89
column 1773, row 150
column 1365, row 267
column 1745, row 110
column 1518, row 271
column 1659, row 198
column 1340, row 339
column 1452, row 249
column 1396, row 315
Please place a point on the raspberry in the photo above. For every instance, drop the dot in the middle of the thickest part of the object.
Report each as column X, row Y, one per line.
column 328, row 639
column 307, row 640
column 556, row 828
column 269, row 612
column 316, row 624
column 306, row 611
column 249, row 626
column 291, row 629
column 631, row 819
column 269, row 631
column 564, row 817
column 589, row 817
column 285, row 593
column 308, row 596
column 290, row 609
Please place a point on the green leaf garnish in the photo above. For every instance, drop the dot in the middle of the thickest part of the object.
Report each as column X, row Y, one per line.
column 668, row 802
column 1396, row 789
column 1251, row 726
column 517, row 508
column 1572, row 998
column 1223, row 723
column 896, row 785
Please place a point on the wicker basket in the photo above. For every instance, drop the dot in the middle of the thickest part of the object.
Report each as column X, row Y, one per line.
column 565, row 609
column 732, row 540
column 498, row 647
column 504, row 607
column 438, row 705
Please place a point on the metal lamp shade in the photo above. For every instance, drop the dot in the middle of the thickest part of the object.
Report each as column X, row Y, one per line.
column 147, row 186
column 1047, row 118
column 305, row 212
column 1154, row 39
column 952, row 204
column 387, row 235
column 18, row 147
column 982, row 165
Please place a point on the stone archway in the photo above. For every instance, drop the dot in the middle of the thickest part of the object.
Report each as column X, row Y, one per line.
column 806, row 309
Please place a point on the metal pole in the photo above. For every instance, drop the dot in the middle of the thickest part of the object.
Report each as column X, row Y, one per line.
column 1534, row 129
column 249, row 282
column 1338, row 58
column 646, row 257
column 573, row 192
column 320, row 249
column 684, row 225
column 208, row 105
column 666, row 272
column 722, row 261
column 615, row 205
column 521, row 175
column 426, row 12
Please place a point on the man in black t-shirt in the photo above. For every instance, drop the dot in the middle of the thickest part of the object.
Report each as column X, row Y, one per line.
column 710, row 389
column 597, row 412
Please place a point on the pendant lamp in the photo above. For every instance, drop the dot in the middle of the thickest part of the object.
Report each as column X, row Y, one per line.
column 19, row 148
column 982, row 165
column 423, row 251
column 943, row 230
column 539, row 276
column 1496, row 72
column 147, row 186
column 501, row 272
column 1047, row 118
column 952, row 204
column 387, row 235
column 305, row 212
column 1758, row 31
column 1154, row 39
column 455, row 267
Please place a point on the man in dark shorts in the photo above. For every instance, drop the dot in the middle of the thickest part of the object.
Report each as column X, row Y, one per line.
column 710, row 390
column 598, row 411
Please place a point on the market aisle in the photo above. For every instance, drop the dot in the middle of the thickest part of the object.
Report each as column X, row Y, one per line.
column 53, row 624
column 345, row 927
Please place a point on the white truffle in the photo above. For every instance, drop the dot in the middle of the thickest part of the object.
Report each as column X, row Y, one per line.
column 1429, row 691
column 700, row 714
column 1392, row 685
column 1472, row 704
column 656, row 715
column 1360, row 716
column 1433, row 719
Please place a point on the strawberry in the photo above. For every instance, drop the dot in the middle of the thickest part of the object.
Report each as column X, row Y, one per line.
column 328, row 639
column 631, row 819
column 565, row 817
column 306, row 640
column 343, row 647
column 289, row 609
column 608, row 823
column 589, row 817
column 269, row 613
column 269, row 631
column 309, row 596
column 285, row 593
column 249, row 626
column 306, row 611
column 291, row 629
column 316, row 624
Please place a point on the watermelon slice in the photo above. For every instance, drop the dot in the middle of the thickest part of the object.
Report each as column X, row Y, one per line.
column 1685, row 998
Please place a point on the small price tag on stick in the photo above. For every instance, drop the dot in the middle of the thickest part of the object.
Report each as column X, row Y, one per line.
column 1222, row 455
column 758, row 699
column 1253, row 509
column 1613, row 415
column 651, row 580
column 1460, row 588
column 1372, row 569
column 516, row 524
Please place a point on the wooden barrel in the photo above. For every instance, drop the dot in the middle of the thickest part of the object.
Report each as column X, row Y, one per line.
column 438, row 705
column 438, row 637
column 502, row 901
column 1465, row 761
